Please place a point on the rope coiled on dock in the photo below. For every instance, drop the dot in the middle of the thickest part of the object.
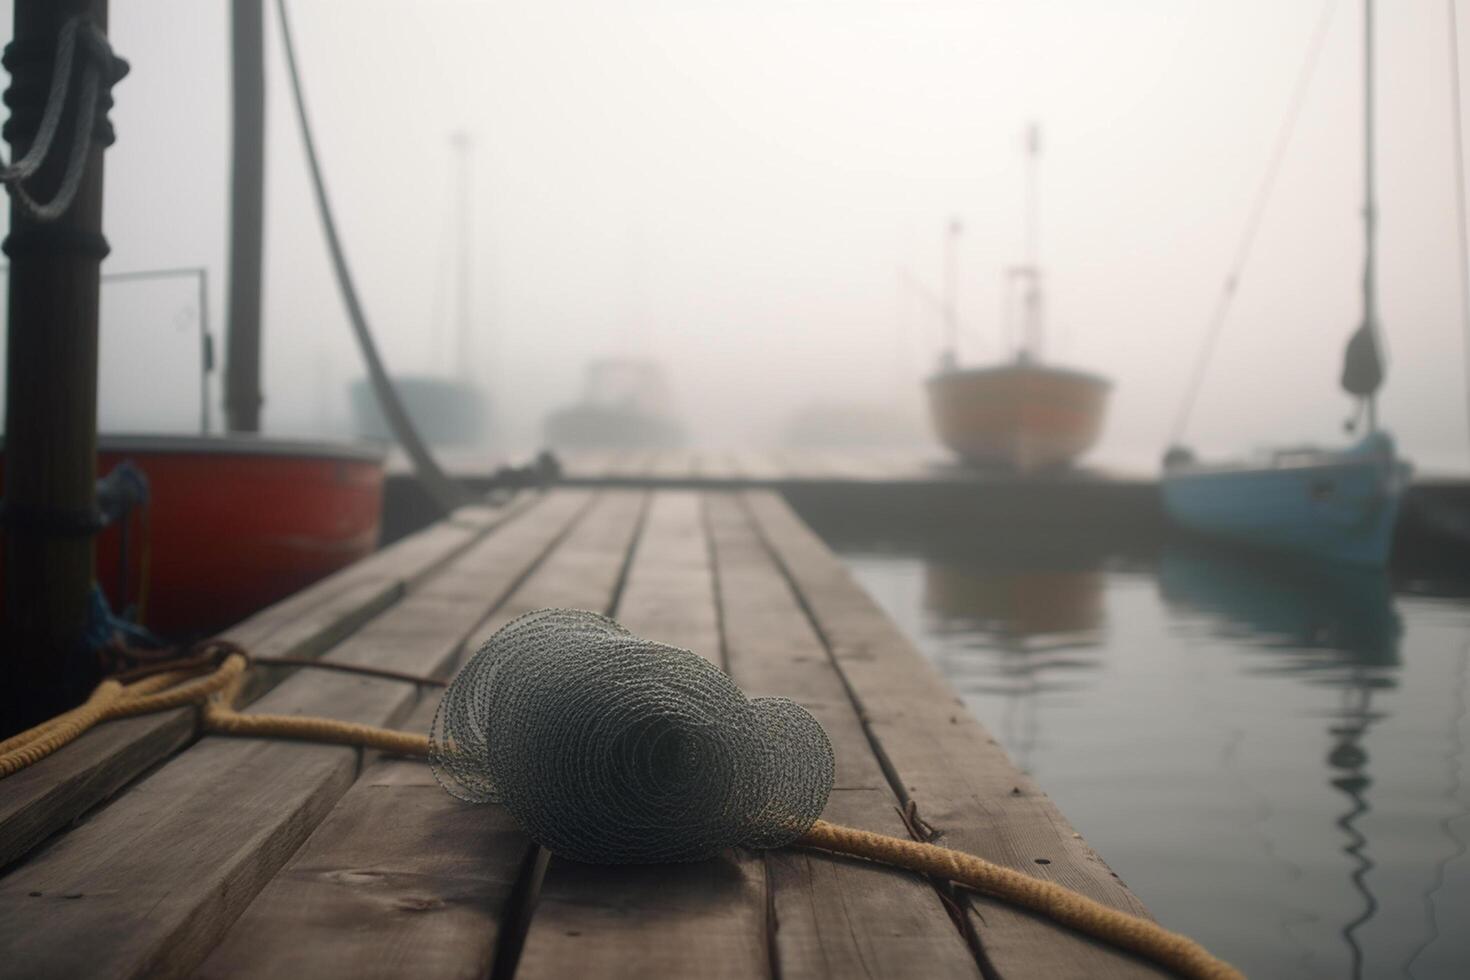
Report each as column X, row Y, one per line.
column 629, row 751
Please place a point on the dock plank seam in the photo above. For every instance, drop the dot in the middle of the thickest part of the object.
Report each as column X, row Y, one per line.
column 770, row 920
column 363, row 867
column 699, row 919
column 1031, row 946
column 101, row 765
column 197, row 915
column 527, row 893
column 835, row 916
column 944, row 891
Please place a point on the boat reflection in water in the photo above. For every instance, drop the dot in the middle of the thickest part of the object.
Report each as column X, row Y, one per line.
column 1263, row 749
column 1036, row 618
column 1334, row 623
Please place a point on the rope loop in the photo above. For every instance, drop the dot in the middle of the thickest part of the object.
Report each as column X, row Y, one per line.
column 101, row 69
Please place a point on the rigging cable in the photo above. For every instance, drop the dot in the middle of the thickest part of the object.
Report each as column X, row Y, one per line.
column 1253, row 223
column 445, row 492
column 1460, row 227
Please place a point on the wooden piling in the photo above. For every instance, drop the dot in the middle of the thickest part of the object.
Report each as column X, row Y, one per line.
column 247, row 204
column 51, row 425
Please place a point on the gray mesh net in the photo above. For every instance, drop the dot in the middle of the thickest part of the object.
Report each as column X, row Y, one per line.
column 610, row 749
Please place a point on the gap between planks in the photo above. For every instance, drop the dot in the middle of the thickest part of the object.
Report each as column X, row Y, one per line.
column 150, row 882
column 48, row 796
column 400, row 877
column 940, row 757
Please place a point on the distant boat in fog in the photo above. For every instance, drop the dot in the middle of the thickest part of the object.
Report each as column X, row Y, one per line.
column 851, row 425
column 446, row 411
column 1023, row 415
column 447, row 407
column 625, row 404
column 1339, row 504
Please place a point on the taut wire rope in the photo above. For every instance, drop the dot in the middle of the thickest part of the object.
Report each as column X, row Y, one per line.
column 1461, row 229
column 447, row 494
column 1228, row 292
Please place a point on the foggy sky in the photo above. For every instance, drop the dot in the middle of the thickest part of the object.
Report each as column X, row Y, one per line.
column 737, row 187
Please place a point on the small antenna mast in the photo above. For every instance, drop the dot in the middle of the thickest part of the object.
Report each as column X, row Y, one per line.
column 1031, row 271
column 949, row 356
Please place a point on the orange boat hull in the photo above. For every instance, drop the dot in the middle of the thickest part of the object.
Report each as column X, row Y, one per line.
column 1021, row 416
column 235, row 524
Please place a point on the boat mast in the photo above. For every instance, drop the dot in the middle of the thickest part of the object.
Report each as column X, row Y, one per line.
column 1031, row 271
column 1370, row 205
column 949, row 356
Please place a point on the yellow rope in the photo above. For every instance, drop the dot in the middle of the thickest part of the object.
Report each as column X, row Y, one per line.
column 1179, row 953
column 227, row 721
column 112, row 699
column 217, row 689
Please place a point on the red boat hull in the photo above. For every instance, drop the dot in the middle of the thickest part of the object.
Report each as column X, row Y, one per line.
column 235, row 524
column 1021, row 416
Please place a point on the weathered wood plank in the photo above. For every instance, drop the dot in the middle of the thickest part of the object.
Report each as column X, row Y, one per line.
column 401, row 878
column 149, row 884
column 585, row 464
column 908, row 464
column 670, row 593
column 822, row 464
column 392, row 883
column 705, row 919
column 672, row 465
column 631, row 464
column 812, row 464
column 833, row 917
column 44, row 798
column 760, row 466
column 715, row 466
column 961, row 780
column 863, row 465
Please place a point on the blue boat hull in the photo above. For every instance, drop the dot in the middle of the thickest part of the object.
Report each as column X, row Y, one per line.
column 1336, row 505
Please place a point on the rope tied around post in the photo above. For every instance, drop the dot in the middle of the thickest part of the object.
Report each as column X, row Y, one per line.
column 101, row 69
column 212, row 675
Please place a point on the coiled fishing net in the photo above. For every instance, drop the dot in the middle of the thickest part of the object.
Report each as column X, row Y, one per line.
column 611, row 749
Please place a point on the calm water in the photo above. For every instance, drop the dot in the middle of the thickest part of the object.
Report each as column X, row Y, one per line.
column 1273, row 758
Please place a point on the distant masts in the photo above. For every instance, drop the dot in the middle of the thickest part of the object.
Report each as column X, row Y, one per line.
column 949, row 356
column 1029, row 273
column 1370, row 208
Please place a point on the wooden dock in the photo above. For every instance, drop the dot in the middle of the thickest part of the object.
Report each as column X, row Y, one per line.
column 911, row 493
column 145, row 849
